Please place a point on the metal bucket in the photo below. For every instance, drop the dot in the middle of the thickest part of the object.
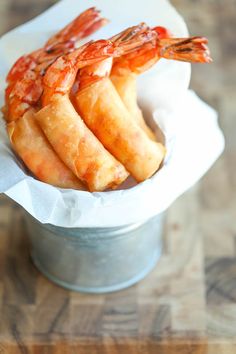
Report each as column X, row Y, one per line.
column 96, row 260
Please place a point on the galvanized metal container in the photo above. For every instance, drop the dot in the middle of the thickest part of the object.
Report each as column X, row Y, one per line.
column 96, row 260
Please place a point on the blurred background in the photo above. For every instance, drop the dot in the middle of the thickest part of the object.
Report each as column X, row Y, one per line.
column 201, row 225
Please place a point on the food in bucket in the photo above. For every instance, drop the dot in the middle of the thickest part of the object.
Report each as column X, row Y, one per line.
column 71, row 111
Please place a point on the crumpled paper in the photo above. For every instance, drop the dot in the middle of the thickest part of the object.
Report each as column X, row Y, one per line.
column 194, row 140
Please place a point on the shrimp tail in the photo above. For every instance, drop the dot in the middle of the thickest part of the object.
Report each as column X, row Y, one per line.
column 129, row 33
column 84, row 25
column 133, row 38
column 193, row 49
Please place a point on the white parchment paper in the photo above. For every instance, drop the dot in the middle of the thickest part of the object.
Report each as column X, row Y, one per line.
column 194, row 140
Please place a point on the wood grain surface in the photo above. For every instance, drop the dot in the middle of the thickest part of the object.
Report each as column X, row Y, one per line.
column 188, row 303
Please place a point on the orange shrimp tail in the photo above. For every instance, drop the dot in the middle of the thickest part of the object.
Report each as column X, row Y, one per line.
column 129, row 33
column 193, row 49
column 133, row 38
column 84, row 25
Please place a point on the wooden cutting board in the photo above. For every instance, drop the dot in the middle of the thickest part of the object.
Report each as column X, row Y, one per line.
column 187, row 305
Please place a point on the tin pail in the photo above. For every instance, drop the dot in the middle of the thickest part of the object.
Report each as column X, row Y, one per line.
column 96, row 260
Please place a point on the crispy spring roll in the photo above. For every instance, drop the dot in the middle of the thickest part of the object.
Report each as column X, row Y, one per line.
column 106, row 115
column 33, row 148
column 77, row 146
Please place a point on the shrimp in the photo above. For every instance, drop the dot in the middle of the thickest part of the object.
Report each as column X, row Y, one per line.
column 83, row 26
column 126, row 68
column 22, row 98
column 25, row 77
column 65, row 40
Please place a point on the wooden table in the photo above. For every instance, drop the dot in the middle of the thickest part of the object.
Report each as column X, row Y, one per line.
column 188, row 303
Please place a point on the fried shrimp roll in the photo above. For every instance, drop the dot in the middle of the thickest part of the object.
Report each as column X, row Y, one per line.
column 106, row 115
column 32, row 146
column 80, row 150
